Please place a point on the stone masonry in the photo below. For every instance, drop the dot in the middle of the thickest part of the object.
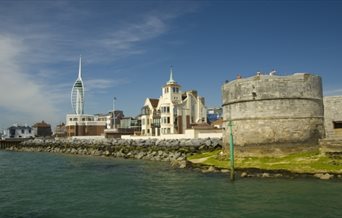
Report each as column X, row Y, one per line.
column 274, row 112
column 332, row 113
column 332, row 144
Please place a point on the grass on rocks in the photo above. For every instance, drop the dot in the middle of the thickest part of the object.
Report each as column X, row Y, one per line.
column 305, row 162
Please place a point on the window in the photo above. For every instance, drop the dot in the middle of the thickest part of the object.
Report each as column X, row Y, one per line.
column 22, row 131
column 165, row 109
column 168, row 119
column 29, row 131
column 337, row 124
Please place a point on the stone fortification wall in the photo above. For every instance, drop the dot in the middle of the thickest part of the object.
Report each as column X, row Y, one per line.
column 149, row 149
column 274, row 110
column 332, row 113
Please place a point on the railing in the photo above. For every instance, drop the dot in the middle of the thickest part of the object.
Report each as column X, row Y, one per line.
column 10, row 142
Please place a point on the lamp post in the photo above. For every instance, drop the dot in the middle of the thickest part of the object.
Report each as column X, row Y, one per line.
column 114, row 117
column 231, row 150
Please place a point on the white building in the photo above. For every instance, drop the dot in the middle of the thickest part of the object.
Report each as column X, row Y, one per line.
column 18, row 132
column 150, row 117
column 85, row 125
column 174, row 112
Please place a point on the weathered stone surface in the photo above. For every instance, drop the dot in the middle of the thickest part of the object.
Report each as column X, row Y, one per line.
column 258, row 105
column 332, row 113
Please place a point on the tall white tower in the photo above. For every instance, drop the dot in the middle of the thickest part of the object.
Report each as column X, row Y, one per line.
column 77, row 93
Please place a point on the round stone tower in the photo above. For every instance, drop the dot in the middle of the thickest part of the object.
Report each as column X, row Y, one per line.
column 270, row 113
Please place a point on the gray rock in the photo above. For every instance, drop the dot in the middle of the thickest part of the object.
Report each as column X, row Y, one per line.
column 244, row 174
column 211, row 169
column 266, row 175
column 140, row 155
column 196, row 142
column 324, row 176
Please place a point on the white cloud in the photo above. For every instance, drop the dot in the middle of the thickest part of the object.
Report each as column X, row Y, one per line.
column 19, row 94
column 46, row 36
column 101, row 84
column 333, row 92
column 151, row 27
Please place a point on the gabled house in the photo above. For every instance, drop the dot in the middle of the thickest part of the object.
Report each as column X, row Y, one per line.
column 173, row 112
column 150, row 117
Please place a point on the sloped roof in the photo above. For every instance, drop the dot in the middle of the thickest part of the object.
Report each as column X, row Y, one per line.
column 217, row 122
column 154, row 102
column 42, row 125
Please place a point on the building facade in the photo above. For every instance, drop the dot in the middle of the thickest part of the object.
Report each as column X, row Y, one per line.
column 84, row 125
column 60, row 131
column 150, row 117
column 18, row 132
column 173, row 112
column 333, row 116
column 42, row 129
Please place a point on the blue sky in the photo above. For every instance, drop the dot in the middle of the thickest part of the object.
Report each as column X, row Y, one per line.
column 127, row 48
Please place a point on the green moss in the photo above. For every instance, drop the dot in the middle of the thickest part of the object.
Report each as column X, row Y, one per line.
column 217, row 163
column 204, row 155
column 305, row 162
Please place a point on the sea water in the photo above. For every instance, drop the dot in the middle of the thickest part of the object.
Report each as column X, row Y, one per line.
column 43, row 185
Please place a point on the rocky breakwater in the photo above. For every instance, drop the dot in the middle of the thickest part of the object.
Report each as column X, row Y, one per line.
column 173, row 150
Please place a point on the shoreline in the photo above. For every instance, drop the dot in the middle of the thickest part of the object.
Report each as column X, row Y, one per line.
column 263, row 173
column 177, row 153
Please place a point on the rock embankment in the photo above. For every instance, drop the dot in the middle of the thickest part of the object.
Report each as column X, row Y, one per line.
column 175, row 150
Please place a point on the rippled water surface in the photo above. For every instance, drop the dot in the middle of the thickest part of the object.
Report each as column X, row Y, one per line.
column 55, row 185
